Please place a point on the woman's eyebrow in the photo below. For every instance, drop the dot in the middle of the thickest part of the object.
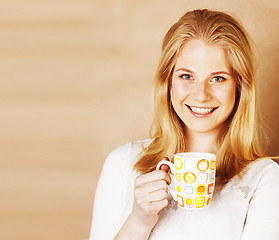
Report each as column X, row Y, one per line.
column 185, row 70
column 211, row 74
column 220, row 72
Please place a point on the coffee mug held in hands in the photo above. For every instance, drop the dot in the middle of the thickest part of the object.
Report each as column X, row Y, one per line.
column 193, row 179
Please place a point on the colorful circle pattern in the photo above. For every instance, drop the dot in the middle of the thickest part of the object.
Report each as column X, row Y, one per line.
column 178, row 163
column 189, row 202
column 189, row 177
column 201, row 189
column 194, row 183
column 203, row 165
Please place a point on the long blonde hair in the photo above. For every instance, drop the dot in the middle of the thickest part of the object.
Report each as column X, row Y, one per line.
column 239, row 143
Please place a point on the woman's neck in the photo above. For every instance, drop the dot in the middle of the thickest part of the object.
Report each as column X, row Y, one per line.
column 202, row 142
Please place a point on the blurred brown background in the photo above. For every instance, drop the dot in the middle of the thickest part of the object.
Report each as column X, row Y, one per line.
column 76, row 80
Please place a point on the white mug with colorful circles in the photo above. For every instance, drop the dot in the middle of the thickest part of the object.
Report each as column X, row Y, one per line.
column 193, row 179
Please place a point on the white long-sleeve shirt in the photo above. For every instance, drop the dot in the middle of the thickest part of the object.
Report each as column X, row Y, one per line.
column 246, row 208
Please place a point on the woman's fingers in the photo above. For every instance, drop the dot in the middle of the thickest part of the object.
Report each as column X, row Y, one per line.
column 157, row 196
column 152, row 208
column 159, row 205
column 165, row 167
column 151, row 203
column 150, row 187
column 150, row 195
column 152, row 192
column 153, row 176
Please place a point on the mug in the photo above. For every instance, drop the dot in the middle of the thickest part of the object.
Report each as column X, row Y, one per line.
column 193, row 179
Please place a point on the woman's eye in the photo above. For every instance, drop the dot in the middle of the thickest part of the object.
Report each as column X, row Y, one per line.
column 218, row 79
column 186, row 76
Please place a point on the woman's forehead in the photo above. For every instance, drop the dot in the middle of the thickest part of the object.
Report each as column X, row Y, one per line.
column 196, row 55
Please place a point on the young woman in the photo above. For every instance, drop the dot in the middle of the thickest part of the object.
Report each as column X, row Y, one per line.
column 204, row 101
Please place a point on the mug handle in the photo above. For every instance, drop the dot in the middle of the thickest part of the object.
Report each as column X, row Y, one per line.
column 171, row 186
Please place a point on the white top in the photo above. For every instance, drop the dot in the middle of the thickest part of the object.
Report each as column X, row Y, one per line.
column 246, row 208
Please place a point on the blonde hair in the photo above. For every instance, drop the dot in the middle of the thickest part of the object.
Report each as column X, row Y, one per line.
column 239, row 143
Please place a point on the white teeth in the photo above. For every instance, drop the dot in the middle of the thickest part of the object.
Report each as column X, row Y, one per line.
column 201, row 110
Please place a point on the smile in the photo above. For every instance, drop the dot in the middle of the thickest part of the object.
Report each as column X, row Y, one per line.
column 201, row 110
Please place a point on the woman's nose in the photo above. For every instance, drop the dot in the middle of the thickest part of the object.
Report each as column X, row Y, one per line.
column 202, row 92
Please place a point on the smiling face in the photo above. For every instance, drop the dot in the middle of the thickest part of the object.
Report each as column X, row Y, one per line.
column 203, row 88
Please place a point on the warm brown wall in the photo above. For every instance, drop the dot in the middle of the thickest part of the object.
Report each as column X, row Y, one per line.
column 76, row 79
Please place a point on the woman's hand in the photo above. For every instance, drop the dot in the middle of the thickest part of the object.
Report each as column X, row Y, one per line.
column 149, row 198
column 151, row 195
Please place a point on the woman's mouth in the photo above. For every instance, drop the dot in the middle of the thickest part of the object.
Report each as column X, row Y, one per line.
column 201, row 111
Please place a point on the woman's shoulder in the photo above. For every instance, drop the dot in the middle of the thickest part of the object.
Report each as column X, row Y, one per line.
column 128, row 148
column 260, row 175
column 262, row 166
column 127, row 153
column 260, row 170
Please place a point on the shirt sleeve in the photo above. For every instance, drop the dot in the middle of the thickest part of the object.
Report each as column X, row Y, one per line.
column 262, row 220
column 107, row 210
